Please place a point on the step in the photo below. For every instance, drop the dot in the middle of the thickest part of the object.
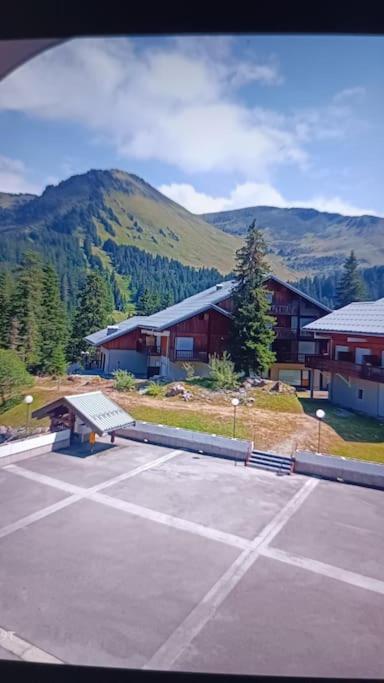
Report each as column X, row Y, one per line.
column 270, row 462
column 280, row 459
column 269, row 468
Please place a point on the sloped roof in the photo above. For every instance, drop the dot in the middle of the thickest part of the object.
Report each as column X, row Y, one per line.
column 193, row 305
column 94, row 408
column 360, row 317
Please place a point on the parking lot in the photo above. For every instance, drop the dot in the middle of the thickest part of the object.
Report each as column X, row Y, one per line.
column 140, row 556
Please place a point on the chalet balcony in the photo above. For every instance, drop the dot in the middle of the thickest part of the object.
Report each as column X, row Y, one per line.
column 284, row 309
column 153, row 350
column 285, row 333
column 345, row 367
column 190, row 356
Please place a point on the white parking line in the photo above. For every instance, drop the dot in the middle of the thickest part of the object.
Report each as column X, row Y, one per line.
column 78, row 493
column 329, row 570
column 26, row 651
column 170, row 520
column 185, row 633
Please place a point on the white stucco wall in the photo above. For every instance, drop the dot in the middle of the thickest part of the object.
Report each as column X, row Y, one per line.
column 132, row 361
column 346, row 395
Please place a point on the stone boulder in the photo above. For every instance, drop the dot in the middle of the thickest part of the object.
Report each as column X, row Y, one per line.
column 176, row 390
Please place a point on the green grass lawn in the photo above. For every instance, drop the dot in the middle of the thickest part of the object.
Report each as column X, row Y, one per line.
column 362, row 436
column 197, row 421
column 17, row 415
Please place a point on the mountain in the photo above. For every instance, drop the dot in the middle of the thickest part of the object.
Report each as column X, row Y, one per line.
column 117, row 205
column 117, row 222
column 306, row 239
column 11, row 201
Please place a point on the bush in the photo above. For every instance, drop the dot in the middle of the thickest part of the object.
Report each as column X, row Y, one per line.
column 155, row 389
column 13, row 375
column 222, row 372
column 124, row 381
column 189, row 370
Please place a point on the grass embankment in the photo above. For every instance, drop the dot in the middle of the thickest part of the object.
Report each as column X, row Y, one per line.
column 346, row 433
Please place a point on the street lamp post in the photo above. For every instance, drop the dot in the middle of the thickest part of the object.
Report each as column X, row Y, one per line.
column 235, row 402
column 28, row 400
column 320, row 414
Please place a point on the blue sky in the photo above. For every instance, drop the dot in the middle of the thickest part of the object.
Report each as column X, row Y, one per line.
column 216, row 123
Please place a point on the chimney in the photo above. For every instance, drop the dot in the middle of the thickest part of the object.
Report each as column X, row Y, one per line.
column 112, row 328
column 219, row 286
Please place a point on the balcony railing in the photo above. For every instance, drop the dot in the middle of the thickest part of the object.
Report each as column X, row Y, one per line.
column 192, row 356
column 153, row 350
column 284, row 309
column 285, row 333
column 344, row 367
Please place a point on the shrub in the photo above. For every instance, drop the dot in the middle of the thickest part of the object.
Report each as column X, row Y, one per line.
column 124, row 381
column 189, row 370
column 13, row 375
column 222, row 372
column 155, row 389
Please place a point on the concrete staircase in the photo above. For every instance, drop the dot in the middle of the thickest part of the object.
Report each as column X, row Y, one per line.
column 269, row 461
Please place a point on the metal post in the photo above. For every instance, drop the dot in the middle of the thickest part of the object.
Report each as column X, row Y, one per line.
column 318, row 445
column 235, row 403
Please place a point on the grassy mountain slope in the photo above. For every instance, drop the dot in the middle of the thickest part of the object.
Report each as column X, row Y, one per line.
column 307, row 239
column 11, row 201
column 117, row 205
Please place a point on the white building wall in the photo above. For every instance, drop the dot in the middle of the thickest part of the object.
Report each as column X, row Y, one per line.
column 346, row 394
column 132, row 361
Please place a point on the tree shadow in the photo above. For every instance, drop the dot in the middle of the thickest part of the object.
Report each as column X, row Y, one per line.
column 349, row 425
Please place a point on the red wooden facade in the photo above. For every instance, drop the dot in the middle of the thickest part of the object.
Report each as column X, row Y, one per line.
column 210, row 330
column 345, row 354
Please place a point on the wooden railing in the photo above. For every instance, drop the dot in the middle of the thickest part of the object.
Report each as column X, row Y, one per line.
column 284, row 309
column 285, row 333
column 344, row 367
column 196, row 356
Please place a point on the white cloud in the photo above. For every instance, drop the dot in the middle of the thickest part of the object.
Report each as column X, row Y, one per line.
column 12, row 177
column 176, row 104
column 350, row 93
column 255, row 194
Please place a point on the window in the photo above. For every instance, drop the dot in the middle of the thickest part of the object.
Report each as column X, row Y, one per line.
column 360, row 393
column 292, row 377
column 269, row 296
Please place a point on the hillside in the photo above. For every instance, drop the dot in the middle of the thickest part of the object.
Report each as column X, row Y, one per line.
column 11, row 201
column 309, row 240
column 113, row 204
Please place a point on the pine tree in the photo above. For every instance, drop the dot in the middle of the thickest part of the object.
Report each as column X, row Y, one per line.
column 92, row 313
column 149, row 302
column 26, row 309
column 252, row 331
column 5, row 308
column 53, row 326
column 350, row 286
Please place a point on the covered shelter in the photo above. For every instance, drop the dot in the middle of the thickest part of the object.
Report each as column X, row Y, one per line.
column 85, row 413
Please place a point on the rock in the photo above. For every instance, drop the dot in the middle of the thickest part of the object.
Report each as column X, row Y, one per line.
column 251, row 399
column 176, row 390
column 242, row 390
column 187, row 396
column 281, row 388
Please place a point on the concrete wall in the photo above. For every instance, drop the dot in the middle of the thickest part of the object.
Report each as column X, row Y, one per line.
column 174, row 437
column 334, row 467
column 345, row 391
column 123, row 359
column 176, row 371
column 48, row 442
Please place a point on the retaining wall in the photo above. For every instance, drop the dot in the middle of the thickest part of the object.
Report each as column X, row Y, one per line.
column 336, row 467
column 174, row 437
column 42, row 442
